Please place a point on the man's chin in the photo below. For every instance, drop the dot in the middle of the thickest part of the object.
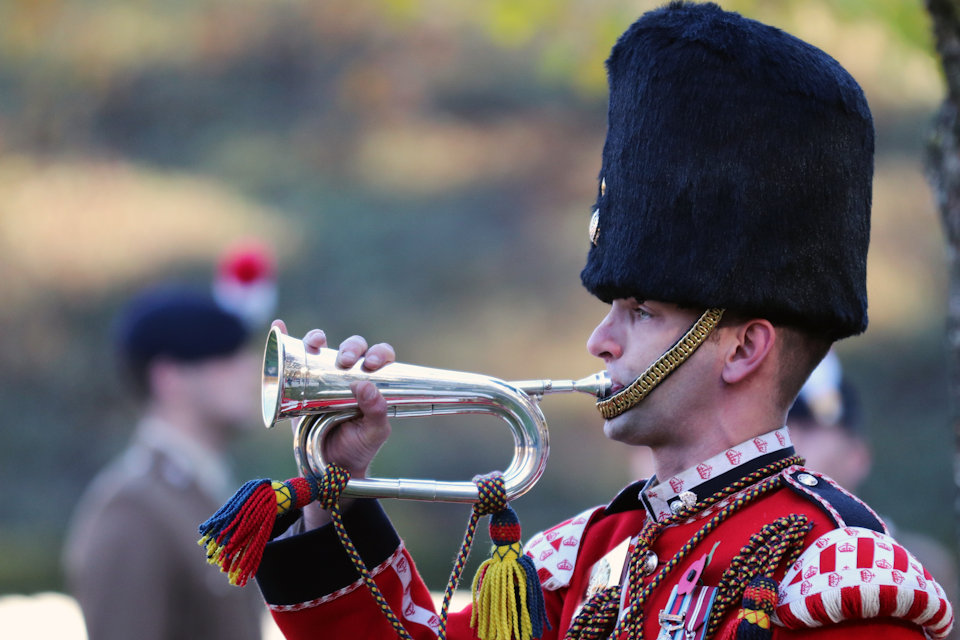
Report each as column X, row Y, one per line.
column 618, row 429
column 633, row 427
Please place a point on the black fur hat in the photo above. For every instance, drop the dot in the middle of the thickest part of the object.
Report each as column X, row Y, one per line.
column 736, row 173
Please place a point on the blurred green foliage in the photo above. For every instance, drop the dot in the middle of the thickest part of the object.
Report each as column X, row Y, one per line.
column 425, row 171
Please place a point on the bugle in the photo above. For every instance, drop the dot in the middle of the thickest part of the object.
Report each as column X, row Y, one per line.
column 296, row 383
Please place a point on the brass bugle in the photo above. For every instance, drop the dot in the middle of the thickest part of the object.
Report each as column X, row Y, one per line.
column 296, row 383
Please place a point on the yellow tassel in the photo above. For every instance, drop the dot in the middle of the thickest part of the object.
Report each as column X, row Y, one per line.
column 500, row 581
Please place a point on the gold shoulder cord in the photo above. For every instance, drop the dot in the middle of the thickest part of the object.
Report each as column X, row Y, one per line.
column 629, row 397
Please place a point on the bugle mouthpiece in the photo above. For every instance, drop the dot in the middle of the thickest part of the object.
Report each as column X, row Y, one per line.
column 597, row 385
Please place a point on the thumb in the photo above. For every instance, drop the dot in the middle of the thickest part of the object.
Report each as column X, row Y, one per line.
column 370, row 401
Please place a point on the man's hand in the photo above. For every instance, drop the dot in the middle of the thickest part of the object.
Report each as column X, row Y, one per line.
column 352, row 444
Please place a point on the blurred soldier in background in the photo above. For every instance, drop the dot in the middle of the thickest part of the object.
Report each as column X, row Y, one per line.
column 130, row 556
column 827, row 428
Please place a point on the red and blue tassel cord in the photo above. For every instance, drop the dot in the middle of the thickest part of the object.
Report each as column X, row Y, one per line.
column 508, row 599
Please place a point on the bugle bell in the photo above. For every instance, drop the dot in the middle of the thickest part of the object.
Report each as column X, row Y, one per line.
column 296, row 383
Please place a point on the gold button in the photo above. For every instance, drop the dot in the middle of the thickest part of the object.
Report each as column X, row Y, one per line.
column 807, row 479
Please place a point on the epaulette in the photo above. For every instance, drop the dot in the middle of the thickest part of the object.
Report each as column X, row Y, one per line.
column 554, row 551
column 844, row 508
column 852, row 573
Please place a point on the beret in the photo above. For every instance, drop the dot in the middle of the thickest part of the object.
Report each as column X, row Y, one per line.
column 178, row 323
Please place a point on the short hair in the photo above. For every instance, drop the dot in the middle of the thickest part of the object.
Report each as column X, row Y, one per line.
column 800, row 351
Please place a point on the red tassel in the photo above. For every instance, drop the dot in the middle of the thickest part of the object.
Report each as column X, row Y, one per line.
column 236, row 535
column 729, row 630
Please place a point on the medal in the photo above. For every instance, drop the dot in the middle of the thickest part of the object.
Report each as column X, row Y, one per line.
column 689, row 605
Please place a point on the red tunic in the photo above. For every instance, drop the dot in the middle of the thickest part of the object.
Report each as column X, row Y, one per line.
column 312, row 590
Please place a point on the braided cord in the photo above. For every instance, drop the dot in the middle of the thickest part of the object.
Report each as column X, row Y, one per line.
column 764, row 551
column 635, row 612
column 778, row 542
column 597, row 617
column 338, row 476
column 492, row 498
column 757, row 484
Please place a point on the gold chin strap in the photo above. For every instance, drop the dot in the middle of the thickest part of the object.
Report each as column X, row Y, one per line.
column 631, row 396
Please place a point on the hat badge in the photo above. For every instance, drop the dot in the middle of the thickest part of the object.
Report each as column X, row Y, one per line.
column 595, row 218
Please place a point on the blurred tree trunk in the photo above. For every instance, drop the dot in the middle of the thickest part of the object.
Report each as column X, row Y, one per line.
column 943, row 172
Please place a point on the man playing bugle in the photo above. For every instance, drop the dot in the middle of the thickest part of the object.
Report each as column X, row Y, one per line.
column 729, row 240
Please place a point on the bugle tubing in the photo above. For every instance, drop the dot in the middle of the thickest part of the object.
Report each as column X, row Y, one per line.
column 296, row 383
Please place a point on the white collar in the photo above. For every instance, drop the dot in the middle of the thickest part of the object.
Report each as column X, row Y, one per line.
column 659, row 497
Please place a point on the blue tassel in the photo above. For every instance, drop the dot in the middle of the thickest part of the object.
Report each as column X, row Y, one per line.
column 535, row 601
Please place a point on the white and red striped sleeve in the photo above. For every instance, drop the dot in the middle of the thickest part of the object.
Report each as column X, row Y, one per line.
column 851, row 574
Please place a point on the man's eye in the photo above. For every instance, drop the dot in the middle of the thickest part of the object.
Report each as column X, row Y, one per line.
column 641, row 313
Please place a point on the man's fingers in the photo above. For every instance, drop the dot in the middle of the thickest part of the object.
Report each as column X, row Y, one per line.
column 351, row 350
column 315, row 340
column 366, row 393
column 378, row 355
column 371, row 403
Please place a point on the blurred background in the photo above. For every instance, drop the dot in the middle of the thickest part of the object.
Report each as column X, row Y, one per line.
column 424, row 171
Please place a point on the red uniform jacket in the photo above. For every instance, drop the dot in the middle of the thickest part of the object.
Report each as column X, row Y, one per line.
column 852, row 580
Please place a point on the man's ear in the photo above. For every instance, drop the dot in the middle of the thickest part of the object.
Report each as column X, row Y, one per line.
column 750, row 345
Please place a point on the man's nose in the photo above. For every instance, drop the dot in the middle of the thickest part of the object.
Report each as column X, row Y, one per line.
column 602, row 342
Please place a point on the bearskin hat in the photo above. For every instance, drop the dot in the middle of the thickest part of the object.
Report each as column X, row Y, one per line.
column 736, row 173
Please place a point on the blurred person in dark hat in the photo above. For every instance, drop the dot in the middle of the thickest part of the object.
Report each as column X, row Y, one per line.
column 826, row 425
column 131, row 549
column 729, row 239
column 828, row 428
